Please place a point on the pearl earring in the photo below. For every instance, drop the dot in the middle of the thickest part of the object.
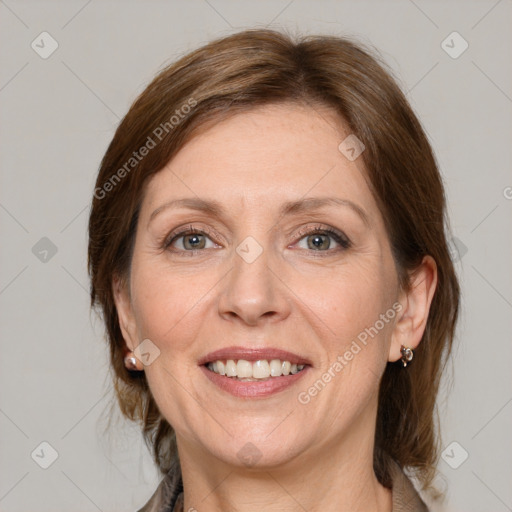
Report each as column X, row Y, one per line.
column 132, row 363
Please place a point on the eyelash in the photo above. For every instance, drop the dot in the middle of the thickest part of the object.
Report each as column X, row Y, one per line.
column 338, row 237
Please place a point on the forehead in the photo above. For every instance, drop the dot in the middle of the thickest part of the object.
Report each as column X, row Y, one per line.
column 264, row 157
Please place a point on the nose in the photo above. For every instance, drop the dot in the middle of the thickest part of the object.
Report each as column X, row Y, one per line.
column 254, row 292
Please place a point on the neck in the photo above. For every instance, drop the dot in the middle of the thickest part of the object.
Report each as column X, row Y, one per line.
column 338, row 477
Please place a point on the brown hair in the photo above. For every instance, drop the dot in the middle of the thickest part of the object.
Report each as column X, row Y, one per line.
column 258, row 67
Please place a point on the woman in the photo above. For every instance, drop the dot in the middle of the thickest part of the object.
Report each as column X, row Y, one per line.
column 267, row 246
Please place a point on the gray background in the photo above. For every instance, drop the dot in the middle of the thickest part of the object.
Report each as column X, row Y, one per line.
column 58, row 115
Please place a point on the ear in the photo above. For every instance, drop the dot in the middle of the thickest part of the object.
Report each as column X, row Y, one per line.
column 411, row 322
column 120, row 289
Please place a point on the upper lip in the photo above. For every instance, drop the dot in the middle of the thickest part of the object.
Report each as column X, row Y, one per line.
column 253, row 354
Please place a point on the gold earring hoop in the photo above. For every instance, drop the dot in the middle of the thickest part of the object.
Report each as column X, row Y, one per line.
column 407, row 355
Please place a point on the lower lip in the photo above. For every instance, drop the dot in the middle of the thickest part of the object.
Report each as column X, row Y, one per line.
column 253, row 389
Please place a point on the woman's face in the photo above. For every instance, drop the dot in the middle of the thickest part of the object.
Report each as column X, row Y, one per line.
column 260, row 277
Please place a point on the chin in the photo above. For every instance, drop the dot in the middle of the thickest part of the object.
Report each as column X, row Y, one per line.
column 257, row 451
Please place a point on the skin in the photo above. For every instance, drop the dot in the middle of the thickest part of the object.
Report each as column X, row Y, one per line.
column 191, row 304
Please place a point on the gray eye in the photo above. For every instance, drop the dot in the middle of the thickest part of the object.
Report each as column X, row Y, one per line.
column 318, row 241
column 194, row 241
column 191, row 241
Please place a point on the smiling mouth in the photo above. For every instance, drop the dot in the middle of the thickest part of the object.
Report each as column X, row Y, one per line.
column 262, row 369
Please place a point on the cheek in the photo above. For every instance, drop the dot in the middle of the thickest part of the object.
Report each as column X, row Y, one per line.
column 357, row 308
column 165, row 301
column 171, row 309
column 349, row 302
column 168, row 308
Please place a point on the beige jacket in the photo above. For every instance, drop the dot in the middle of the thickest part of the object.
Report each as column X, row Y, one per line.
column 168, row 496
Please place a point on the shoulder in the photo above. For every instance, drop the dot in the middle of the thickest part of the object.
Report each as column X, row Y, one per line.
column 167, row 492
column 405, row 497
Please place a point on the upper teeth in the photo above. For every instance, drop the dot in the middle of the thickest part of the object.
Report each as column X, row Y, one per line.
column 261, row 369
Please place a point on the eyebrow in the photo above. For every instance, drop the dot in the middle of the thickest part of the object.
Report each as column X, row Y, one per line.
column 215, row 209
